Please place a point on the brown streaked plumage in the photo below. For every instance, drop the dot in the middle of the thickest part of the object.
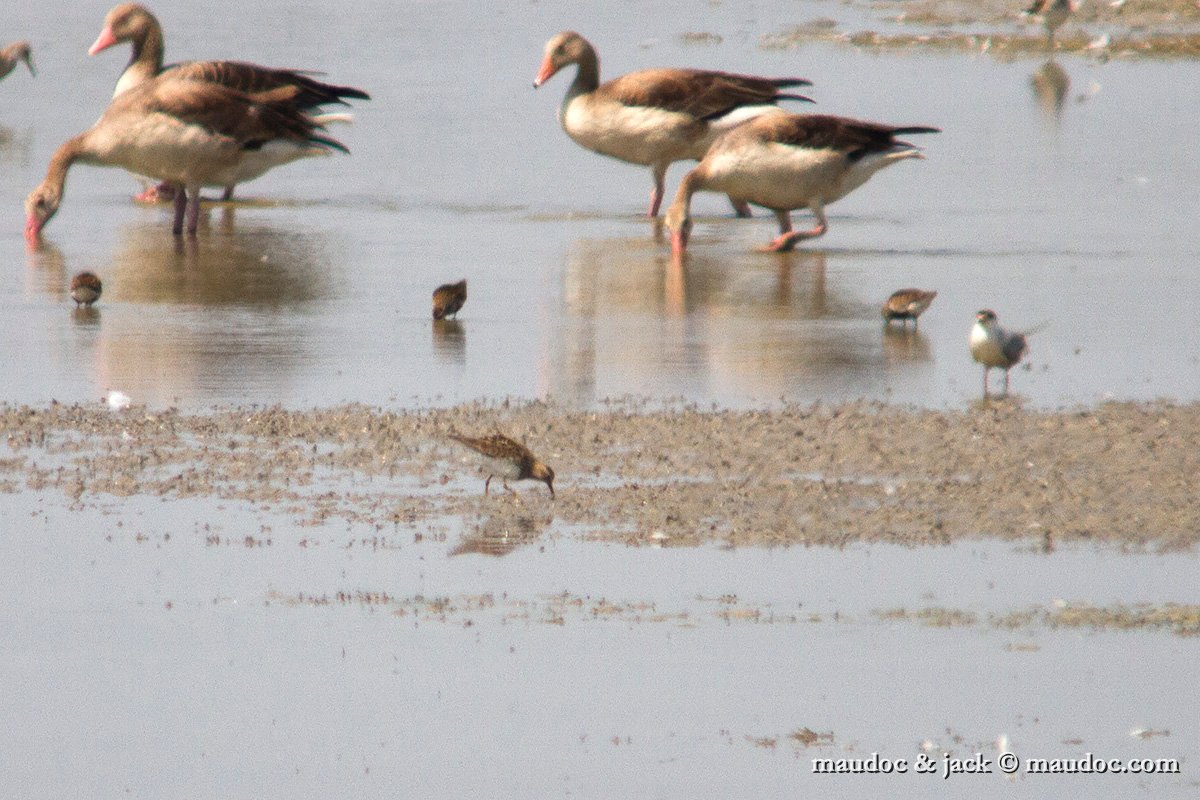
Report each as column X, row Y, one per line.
column 133, row 23
column 13, row 53
column 509, row 459
column 906, row 304
column 86, row 289
column 189, row 133
column 448, row 299
column 993, row 346
column 655, row 116
column 789, row 161
column 1052, row 13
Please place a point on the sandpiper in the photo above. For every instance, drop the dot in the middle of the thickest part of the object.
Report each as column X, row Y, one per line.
column 448, row 299
column 994, row 346
column 1053, row 14
column 508, row 459
column 906, row 304
column 86, row 289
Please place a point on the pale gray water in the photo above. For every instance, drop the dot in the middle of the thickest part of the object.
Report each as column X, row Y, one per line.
column 318, row 292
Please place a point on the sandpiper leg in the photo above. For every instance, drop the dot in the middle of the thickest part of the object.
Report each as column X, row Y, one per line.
column 228, row 193
column 485, row 485
column 740, row 207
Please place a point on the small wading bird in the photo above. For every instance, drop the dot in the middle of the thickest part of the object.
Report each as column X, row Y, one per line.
column 789, row 161
column 86, row 289
column 448, row 299
column 1053, row 13
column 906, row 304
column 9, row 56
column 130, row 22
column 509, row 460
column 993, row 346
column 656, row 116
column 190, row 133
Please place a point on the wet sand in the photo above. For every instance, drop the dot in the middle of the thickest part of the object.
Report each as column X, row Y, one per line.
column 1120, row 474
column 1156, row 29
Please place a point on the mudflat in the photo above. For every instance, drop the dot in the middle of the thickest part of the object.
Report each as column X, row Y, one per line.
column 1120, row 474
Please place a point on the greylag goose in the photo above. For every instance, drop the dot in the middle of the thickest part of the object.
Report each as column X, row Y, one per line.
column 656, row 117
column 189, row 133
column 906, row 304
column 993, row 346
column 10, row 55
column 788, row 161
column 133, row 23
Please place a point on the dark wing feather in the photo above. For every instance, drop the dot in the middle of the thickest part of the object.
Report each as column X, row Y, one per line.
column 252, row 78
column 701, row 93
column 1014, row 348
column 855, row 138
column 249, row 119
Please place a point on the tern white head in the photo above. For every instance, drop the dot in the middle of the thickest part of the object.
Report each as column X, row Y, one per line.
column 993, row 346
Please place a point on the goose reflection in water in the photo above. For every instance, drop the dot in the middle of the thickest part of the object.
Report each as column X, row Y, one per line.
column 211, row 317
column 734, row 325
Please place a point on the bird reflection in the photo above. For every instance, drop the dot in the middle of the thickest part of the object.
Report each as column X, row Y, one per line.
column 449, row 341
column 85, row 316
column 1050, row 84
column 272, row 268
column 47, row 271
column 710, row 324
column 14, row 148
column 904, row 344
column 502, row 533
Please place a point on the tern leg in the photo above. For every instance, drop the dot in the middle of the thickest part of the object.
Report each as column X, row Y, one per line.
column 485, row 485
column 740, row 207
column 228, row 193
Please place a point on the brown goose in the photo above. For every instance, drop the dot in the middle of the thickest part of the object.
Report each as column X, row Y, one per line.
column 656, row 116
column 187, row 132
column 133, row 23
column 789, row 161
column 10, row 55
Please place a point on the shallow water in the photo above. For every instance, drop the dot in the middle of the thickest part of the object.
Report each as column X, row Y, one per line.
column 315, row 287
column 159, row 646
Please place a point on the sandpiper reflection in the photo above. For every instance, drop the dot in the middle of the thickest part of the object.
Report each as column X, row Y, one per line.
column 502, row 533
column 1050, row 84
column 449, row 341
column 904, row 344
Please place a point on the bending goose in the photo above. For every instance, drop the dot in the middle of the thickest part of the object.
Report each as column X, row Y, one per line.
column 189, row 133
column 656, row 116
column 133, row 23
column 10, row 55
column 789, row 161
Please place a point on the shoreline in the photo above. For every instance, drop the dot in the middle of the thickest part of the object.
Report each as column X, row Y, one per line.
column 1118, row 474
